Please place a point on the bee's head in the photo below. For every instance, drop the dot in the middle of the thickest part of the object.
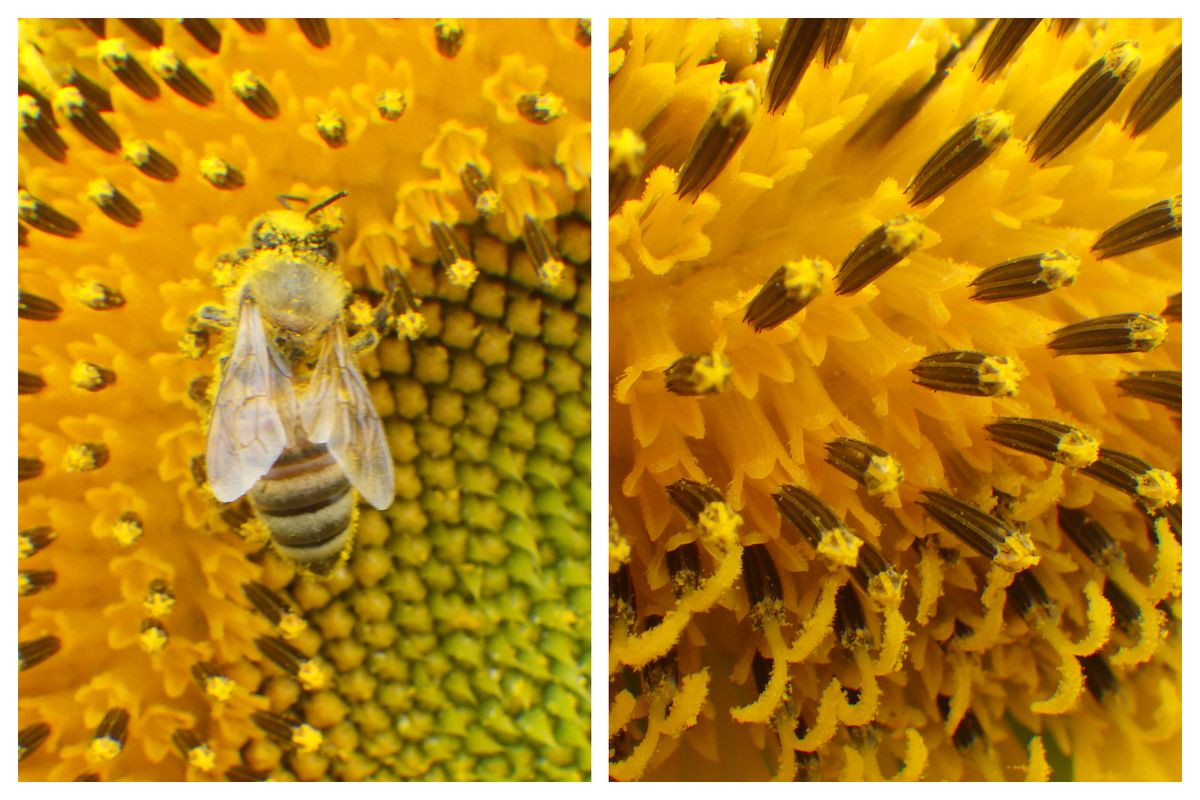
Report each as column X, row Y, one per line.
column 286, row 228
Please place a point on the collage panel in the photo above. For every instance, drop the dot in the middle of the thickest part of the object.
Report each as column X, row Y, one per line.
column 304, row 421
column 895, row 354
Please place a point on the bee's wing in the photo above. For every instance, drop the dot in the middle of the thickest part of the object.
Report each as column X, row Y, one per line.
column 252, row 413
column 337, row 411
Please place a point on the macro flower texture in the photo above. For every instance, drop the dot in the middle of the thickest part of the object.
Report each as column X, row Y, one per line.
column 438, row 171
column 895, row 399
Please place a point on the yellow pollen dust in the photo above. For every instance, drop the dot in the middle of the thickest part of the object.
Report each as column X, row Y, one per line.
column 1123, row 60
column 551, row 272
column 462, row 273
column 1017, row 553
column 307, row 738
column 158, row 605
column 213, row 168
column 153, row 640
column 488, row 202
column 805, row 277
column 80, row 458
column 361, row 313
column 719, row 524
column 164, row 61
column 67, row 99
column 840, row 545
column 411, row 324
column 315, row 674
column 85, row 375
column 127, row 532
column 1004, row 371
column 1059, row 269
column 738, row 102
column 136, row 152
column 993, row 125
column 26, row 201
column 1077, row 450
column 244, row 84
column 25, row 547
column 882, row 475
column 330, row 122
column 219, row 687
column 28, row 107
column 904, row 234
column 711, row 372
column 625, row 151
column 103, row 749
column 392, row 103
column 291, row 625
column 618, row 546
column 1148, row 328
column 1157, row 488
column 887, row 588
column 202, row 758
column 112, row 52
column 255, row 532
column 100, row 189
column 1177, row 208
column 549, row 107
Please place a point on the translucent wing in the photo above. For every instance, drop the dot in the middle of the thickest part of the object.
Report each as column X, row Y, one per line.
column 253, row 412
column 337, row 411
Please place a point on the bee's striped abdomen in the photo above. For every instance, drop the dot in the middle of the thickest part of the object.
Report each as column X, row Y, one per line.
column 306, row 502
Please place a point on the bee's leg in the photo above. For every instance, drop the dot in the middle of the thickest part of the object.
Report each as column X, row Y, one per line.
column 396, row 312
column 213, row 317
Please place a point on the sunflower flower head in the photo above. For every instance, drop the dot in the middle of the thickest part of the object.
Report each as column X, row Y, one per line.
column 935, row 265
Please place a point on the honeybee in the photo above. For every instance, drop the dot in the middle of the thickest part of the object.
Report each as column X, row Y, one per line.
column 292, row 422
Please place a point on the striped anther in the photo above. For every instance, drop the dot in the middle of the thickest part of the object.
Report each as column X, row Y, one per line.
column 480, row 190
column 29, row 382
column 1063, row 27
column 1089, row 97
column 94, row 24
column 1089, row 536
column 96, row 295
column 204, row 32
column 819, row 524
column 96, row 95
column 970, row 372
column 456, row 259
column 91, row 377
column 128, row 70
column 1174, row 309
column 789, row 289
column 969, row 730
column 583, row 32
column 881, row 249
column 626, row 161
column 849, row 619
column 449, row 35
column 720, row 137
column 760, row 576
column 966, row 149
column 37, row 214
column 540, row 108
column 254, row 94
column 684, row 565
column 1116, row 333
column 692, row 498
column 149, row 161
column 29, row 468
column 148, row 29
column 179, row 76
column 274, row 608
column 86, row 777
column 1157, row 223
column 1098, row 676
column 798, row 45
column 836, row 31
column 32, row 541
column 316, row 31
column 1164, row 387
column 35, row 651
column 39, row 128
column 1126, row 613
column 331, row 126
column 698, row 374
column 220, row 174
column 109, row 738
column 70, row 102
column 989, row 536
column 85, row 457
column 875, row 575
column 873, row 468
column 193, row 749
column 38, row 309
column 1160, row 95
column 1027, row 276
column 32, row 581
column 1046, row 439
column 546, row 262
column 1155, row 488
column 622, row 603
column 1029, row 597
column 30, row 738
column 1002, row 45
column 115, row 205
column 255, row 27
column 240, row 773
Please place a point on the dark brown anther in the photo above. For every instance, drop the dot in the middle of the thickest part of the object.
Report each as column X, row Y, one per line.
column 1116, row 333
column 179, row 76
column 29, row 382
column 966, row 149
column 86, row 456
column 1002, row 45
column 451, row 249
column 254, row 95
column 199, row 469
column 147, row 29
column 1089, row 536
column 98, row 297
column 968, row 731
column 1027, row 276
column 723, row 133
column 70, row 102
column 332, row 128
column 235, row 515
column 276, row 726
column 44, row 104
column 208, row 675
column 969, row 372
column 39, row 128
column 698, row 374
column 203, row 32
column 128, row 70
column 583, row 32
column 819, row 524
column 985, row 534
column 32, row 581
column 113, row 202
column 33, row 540
column 95, row 25
column 874, row 574
column 540, row 108
column 1085, row 102
column 1173, row 514
column 548, row 265
column 1029, row 597
column 836, row 31
column 760, row 576
column 449, row 35
column 626, row 161
column 760, row 668
column 29, row 468
column 150, row 162
column 1126, row 613
column 87, row 777
column 1164, row 387
column 282, row 654
column 96, row 95
column 798, row 45
column 221, row 174
column 22, row 235
column 39, row 215
column 255, row 27
column 785, row 294
column 850, row 621
column 1157, row 223
column 240, row 773
column 30, row 738
column 1048, row 439
column 316, row 31
column 269, row 604
column 1174, row 309
column 622, row 602
column 684, row 565
column 1098, row 676
column 1160, row 95
column 691, row 498
column 1063, row 27
column 185, row 741
column 873, row 468
column 91, row 377
column 1154, row 488
column 38, row 309
column 477, row 186
column 35, row 651
column 881, row 249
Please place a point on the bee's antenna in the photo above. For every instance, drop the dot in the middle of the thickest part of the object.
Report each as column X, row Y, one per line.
column 327, row 201
column 284, row 199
